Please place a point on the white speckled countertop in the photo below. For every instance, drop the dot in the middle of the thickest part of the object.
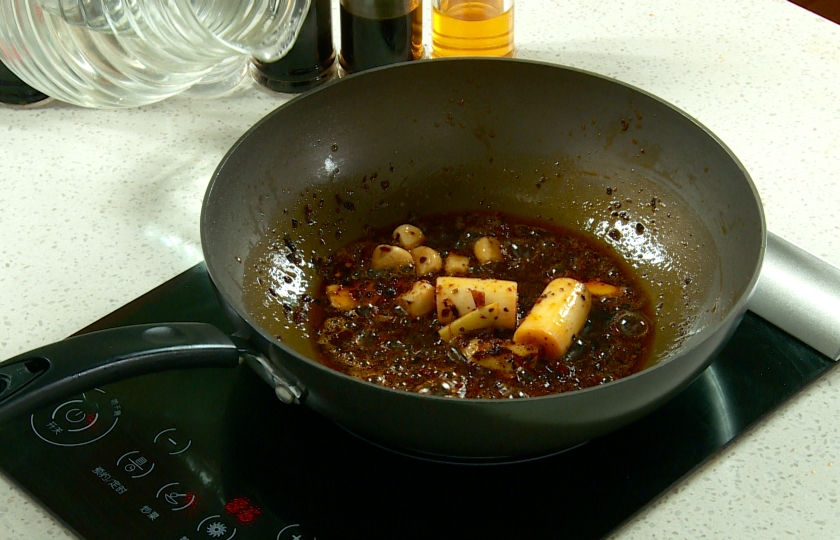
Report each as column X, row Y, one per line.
column 99, row 207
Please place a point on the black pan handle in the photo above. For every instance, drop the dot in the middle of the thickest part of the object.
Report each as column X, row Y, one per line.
column 66, row 368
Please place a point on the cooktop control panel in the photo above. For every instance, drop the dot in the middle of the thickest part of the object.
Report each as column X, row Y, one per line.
column 144, row 462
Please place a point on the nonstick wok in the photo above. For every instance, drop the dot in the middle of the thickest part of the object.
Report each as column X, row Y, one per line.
column 373, row 149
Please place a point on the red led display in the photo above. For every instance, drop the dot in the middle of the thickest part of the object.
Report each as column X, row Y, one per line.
column 243, row 510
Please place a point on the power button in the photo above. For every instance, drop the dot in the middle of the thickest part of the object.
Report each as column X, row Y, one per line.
column 172, row 442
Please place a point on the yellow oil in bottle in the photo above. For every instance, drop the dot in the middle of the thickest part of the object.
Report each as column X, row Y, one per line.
column 472, row 28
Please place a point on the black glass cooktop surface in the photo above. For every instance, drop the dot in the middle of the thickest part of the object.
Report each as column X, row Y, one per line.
column 212, row 454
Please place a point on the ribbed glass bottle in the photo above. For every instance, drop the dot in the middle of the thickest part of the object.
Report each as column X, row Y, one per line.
column 126, row 53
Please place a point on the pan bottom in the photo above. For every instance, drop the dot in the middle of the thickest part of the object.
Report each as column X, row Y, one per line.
column 460, row 460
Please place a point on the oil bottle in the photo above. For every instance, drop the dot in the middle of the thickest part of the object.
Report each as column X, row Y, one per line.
column 472, row 28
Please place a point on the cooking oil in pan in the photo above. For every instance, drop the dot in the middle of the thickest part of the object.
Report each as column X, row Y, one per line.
column 472, row 28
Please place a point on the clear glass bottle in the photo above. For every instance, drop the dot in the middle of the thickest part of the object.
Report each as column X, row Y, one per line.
column 117, row 53
column 380, row 32
column 309, row 63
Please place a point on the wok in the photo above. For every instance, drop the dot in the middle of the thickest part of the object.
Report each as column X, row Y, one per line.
column 526, row 138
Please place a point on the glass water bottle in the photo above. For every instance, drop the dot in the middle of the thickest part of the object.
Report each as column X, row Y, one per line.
column 117, row 53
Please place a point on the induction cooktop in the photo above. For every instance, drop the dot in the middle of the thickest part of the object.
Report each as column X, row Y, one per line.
column 212, row 454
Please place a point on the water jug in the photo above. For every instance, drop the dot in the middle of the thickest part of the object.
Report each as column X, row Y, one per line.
column 126, row 53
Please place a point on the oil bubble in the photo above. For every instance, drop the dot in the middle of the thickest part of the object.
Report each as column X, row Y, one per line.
column 631, row 324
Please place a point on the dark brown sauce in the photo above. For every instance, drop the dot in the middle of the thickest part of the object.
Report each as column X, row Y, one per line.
column 16, row 92
column 380, row 343
column 368, row 41
column 309, row 60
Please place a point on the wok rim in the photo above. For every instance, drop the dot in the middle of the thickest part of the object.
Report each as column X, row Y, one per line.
column 736, row 310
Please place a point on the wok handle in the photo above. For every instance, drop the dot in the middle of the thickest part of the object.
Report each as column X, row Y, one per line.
column 77, row 364
column 800, row 293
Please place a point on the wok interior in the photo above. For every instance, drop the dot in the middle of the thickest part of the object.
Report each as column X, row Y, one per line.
column 518, row 137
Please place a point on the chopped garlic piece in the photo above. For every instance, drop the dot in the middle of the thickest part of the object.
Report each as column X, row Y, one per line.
column 385, row 256
column 419, row 300
column 426, row 260
column 341, row 297
column 457, row 264
column 483, row 317
column 488, row 249
column 409, row 236
column 559, row 314
column 457, row 296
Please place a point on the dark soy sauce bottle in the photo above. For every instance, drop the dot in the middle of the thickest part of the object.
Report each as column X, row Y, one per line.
column 15, row 92
column 380, row 32
column 310, row 62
